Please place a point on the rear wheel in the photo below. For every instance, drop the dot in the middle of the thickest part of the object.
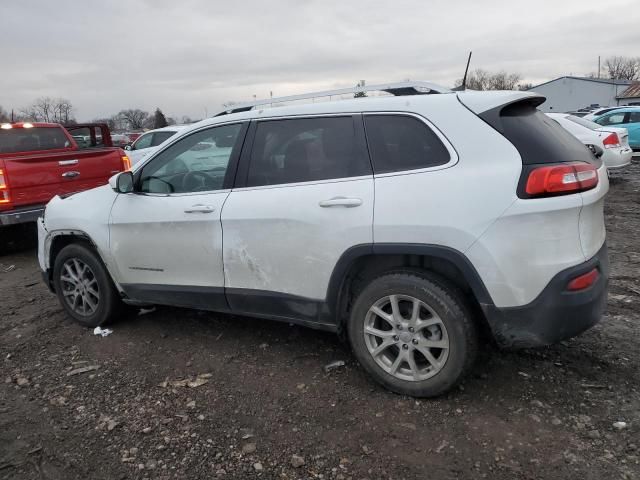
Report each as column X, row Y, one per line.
column 84, row 286
column 413, row 333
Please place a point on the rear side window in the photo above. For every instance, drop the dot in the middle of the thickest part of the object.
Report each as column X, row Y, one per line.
column 400, row 142
column 634, row 117
column 305, row 149
column 32, row 139
column 160, row 137
column 538, row 138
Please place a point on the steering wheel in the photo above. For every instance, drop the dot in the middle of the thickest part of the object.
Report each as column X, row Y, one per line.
column 197, row 181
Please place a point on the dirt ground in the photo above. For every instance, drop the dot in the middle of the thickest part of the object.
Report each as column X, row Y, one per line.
column 263, row 406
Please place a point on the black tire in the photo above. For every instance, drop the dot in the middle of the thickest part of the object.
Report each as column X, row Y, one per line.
column 442, row 298
column 108, row 307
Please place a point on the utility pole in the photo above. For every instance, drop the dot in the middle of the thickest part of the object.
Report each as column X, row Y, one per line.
column 598, row 66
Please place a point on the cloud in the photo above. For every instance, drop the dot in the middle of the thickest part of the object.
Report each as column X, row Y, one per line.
column 188, row 57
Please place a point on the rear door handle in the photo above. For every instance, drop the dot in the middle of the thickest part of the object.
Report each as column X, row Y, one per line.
column 71, row 174
column 341, row 202
column 200, row 209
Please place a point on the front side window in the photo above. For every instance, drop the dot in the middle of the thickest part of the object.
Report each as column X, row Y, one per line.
column 160, row 137
column 401, row 142
column 305, row 149
column 143, row 142
column 613, row 119
column 196, row 163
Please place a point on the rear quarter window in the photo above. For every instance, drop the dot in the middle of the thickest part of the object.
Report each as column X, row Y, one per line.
column 34, row 139
column 537, row 137
column 401, row 142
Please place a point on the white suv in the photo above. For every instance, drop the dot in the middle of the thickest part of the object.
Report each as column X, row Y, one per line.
column 409, row 223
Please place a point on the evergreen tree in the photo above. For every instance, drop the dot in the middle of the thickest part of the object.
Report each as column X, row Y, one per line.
column 159, row 119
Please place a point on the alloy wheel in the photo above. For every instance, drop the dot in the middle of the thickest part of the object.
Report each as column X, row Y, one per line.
column 80, row 287
column 406, row 337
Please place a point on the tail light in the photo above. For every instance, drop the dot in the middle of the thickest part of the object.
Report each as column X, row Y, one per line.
column 561, row 179
column 583, row 281
column 612, row 141
column 126, row 163
column 4, row 189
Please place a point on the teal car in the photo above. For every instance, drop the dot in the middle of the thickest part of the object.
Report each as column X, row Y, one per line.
column 629, row 118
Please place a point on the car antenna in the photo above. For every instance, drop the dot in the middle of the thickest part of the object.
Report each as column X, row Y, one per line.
column 466, row 70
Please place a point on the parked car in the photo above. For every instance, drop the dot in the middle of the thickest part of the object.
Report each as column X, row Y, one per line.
column 150, row 141
column 407, row 223
column 41, row 160
column 133, row 136
column 629, row 118
column 120, row 140
column 600, row 111
column 613, row 141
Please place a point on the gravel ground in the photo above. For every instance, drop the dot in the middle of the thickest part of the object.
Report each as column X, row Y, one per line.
column 181, row 394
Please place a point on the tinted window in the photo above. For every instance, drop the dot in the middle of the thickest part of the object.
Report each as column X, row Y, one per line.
column 538, row 138
column 305, row 149
column 32, row 139
column 634, row 117
column 160, row 137
column 196, row 163
column 398, row 142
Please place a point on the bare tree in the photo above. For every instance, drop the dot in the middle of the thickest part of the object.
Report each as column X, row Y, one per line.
column 47, row 109
column 135, row 118
column 622, row 68
column 4, row 116
column 481, row 79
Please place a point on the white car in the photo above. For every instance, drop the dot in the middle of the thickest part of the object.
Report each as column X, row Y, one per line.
column 601, row 111
column 612, row 140
column 407, row 223
column 149, row 142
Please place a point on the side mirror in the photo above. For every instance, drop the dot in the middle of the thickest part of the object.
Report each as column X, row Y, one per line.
column 122, row 182
column 127, row 147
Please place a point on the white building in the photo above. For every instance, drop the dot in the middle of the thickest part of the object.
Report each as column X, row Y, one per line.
column 566, row 94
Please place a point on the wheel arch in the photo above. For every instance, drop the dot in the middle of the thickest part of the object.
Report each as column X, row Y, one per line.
column 59, row 240
column 361, row 263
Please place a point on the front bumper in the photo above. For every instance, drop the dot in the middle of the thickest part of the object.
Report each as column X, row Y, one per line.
column 22, row 215
column 556, row 314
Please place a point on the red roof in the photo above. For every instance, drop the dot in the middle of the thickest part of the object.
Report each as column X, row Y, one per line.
column 632, row 92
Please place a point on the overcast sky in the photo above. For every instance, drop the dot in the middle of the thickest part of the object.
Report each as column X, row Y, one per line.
column 189, row 56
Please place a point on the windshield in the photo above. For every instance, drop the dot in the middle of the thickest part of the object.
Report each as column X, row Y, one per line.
column 583, row 122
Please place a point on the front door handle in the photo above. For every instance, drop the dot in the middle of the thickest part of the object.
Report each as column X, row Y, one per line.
column 71, row 174
column 200, row 209
column 341, row 202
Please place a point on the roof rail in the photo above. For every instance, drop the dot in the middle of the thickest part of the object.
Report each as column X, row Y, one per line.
column 398, row 89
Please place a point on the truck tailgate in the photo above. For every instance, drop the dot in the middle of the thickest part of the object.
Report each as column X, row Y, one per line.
column 36, row 178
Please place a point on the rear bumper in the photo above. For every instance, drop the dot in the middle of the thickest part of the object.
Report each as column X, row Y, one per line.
column 618, row 158
column 555, row 314
column 21, row 215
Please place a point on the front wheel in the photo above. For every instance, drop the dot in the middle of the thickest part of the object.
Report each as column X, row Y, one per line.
column 413, row 333
column 84, row 286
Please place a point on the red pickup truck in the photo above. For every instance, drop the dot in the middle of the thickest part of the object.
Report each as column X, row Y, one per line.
column 41, row 160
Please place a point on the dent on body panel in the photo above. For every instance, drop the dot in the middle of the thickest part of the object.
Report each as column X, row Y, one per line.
column 269, row 258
